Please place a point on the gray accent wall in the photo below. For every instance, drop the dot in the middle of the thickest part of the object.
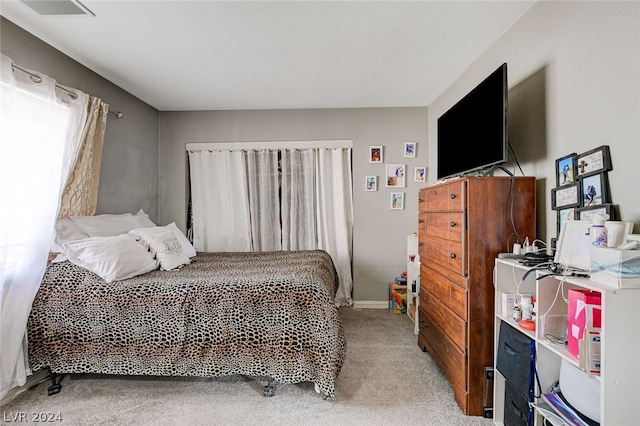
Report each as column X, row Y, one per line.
column 379, row 233
column 129, row 171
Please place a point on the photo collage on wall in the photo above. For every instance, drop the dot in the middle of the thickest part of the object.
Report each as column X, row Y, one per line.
column 582, row 186
column 395, row 175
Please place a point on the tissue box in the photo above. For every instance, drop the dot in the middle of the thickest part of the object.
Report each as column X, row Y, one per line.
column 615, row 268
column 584, row 312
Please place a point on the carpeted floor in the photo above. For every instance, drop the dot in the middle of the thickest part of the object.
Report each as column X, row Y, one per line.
column 386, row 380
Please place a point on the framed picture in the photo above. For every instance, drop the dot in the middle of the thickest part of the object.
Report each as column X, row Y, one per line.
column 409, row 149
column 375, row 154
column 397, row 200
column 595, row 161
column 371, row 183
column 395, row 175
column 585, row 213
column 419, row 174
column 566, row 170
column 564, row 215
column 566, row 196
column 595, row 190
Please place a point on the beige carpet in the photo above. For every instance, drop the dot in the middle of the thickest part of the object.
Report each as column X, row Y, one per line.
column 386, row 380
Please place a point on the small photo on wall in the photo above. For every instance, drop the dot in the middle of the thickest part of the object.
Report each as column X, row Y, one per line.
column 396, row 175
column 594, row 190
column 397, row 200
column 566, row 170
column 409, row 149
column 419, row 174
column 375, row 154
column 371, row 183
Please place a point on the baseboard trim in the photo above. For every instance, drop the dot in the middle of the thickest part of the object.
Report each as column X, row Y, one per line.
column 371, row 304
column 33, row 380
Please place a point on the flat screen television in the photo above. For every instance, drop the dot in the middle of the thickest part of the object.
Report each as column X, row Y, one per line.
column 472, row 134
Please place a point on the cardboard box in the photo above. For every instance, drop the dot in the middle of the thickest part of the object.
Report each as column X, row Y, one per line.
column 584, row 312
column 615, row 268
column 398, row 298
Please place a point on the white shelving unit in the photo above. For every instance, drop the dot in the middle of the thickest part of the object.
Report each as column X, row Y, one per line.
column 413, row 276
column 620, row 346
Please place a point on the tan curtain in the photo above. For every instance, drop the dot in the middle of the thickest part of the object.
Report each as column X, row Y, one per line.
column 80, row 195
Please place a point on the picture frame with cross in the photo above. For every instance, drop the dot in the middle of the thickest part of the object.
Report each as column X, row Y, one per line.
column 595, row 161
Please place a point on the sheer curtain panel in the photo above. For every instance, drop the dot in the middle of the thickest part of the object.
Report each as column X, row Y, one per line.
column 299, row 231
column 263, row 189
column 334, row 202
column 40, row 128
column 219, row 200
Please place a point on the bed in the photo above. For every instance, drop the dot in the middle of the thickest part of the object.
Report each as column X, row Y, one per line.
column 258, row 314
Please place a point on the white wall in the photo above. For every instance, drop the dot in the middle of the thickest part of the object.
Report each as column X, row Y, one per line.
column 574, row 77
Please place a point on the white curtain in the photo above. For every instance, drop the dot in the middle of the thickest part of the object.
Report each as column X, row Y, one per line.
column 299, row 231
column 317, row 208
column 263, row 188
column 40, row 128
column 334, row 203
column 220, row 202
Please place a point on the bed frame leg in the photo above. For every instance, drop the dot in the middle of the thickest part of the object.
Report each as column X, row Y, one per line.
column 270, row 388
column 55, row 384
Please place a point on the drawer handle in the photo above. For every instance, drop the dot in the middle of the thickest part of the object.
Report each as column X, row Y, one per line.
column 453, row 224
column 453, row 196
column 453, row 255
column 420, row 220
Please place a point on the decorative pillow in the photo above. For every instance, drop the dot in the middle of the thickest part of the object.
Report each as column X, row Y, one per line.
column 108, row 225
column 111, row 258
column 66, row 230
column 143, row 233
column 168, row 251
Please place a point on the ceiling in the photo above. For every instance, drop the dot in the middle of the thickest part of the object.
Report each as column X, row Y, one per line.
column 214, row 55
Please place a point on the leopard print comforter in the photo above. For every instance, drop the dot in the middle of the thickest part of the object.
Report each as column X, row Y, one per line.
column 257, row 314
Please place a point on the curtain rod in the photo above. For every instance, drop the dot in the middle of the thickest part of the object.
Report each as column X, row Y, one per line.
column 37, row 79
column 230, row 146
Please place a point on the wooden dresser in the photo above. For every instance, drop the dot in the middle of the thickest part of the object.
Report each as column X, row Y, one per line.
column 463, row 225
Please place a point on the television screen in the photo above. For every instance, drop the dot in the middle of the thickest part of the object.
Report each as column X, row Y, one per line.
column 472, row 135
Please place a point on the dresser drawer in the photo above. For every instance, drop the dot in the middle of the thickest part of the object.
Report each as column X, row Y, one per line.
column 452, row 325
column 445, row 197
column 449, row 357
column 449, row 254
column 451, row 294
column 448, row 226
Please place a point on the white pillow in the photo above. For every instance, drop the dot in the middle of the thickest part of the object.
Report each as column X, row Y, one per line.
column 108, row 225
column 111, row 258
column 66, row 230
column 168, row 251
column 143, row 233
